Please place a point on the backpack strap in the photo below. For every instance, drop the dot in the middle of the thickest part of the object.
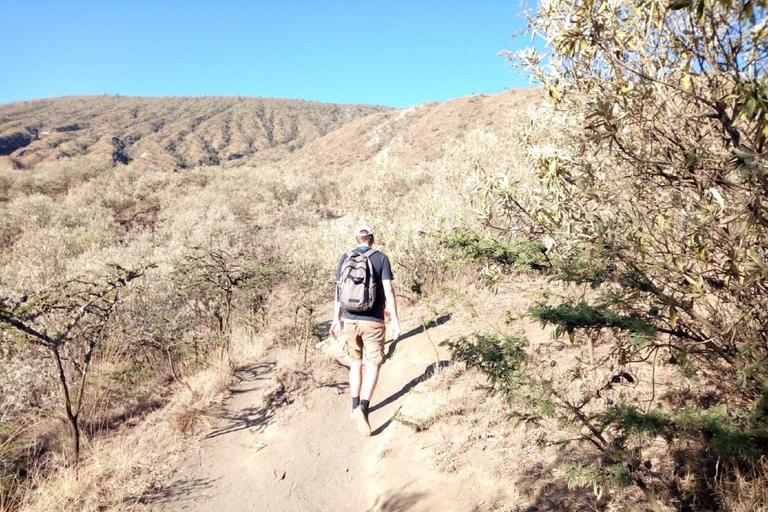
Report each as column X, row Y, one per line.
column 370, row 252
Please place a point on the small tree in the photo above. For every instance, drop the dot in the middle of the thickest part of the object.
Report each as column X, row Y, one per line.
column 70, row 320
column 311, row 277
column 216, row 279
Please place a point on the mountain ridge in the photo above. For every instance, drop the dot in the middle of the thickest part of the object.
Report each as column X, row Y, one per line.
column 172, row 131
column 181, row 132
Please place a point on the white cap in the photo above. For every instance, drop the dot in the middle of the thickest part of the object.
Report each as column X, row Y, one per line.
column 363, row 231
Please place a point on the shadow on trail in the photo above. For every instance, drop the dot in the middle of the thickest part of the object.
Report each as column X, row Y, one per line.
column 183, row 490
column 397, row 502
column 256, row 418
column 384, row 425
column 339, row 386
column 416, row 330
column 429, row 371
column 401, row 501
column 253, row 374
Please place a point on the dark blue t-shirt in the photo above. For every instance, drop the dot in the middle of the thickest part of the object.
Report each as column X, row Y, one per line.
column 382, row 270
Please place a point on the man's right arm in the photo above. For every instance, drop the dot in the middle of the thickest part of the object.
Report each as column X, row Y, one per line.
column 336, row 322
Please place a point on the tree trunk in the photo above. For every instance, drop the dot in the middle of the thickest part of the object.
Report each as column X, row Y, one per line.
column 649, row 494
column 71, row 416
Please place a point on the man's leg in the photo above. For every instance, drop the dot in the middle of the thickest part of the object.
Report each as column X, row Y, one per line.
column 360, row 414
column 370, row 379
column 355, row 380
column 373, row 345
column 355, row 352
column 372, row 334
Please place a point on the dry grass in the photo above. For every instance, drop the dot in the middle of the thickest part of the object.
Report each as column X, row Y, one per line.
column 747, row 490
column 120, row 470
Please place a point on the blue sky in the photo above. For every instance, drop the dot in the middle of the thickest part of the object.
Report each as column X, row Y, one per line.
column 395, row 53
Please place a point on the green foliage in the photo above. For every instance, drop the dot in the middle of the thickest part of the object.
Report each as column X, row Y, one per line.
column 503, row 360
column 733, row 434
column 521, row 253
column 536, row 396
column 157, row 125
column 211, row 156
column 505, row 363
column 598, row 477
column 630, row 421
column 180, row 158
column 568, row 318
column 119, row 153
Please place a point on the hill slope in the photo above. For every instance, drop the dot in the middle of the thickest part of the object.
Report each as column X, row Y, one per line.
column 416, row 134
column 176, row 132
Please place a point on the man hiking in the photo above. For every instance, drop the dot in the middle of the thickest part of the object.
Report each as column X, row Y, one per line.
column 364, row 291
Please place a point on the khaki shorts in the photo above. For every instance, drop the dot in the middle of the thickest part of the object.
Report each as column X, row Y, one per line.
column 366, row 336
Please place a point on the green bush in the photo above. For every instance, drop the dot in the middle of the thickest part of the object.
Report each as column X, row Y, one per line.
column 521, row 253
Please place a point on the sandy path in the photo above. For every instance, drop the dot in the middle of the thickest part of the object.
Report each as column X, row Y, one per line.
column 314, row 460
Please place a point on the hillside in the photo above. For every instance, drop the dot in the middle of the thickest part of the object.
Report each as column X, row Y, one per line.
column 234, row 283
column 178, row 133
column 418, row 134
column 165, row 132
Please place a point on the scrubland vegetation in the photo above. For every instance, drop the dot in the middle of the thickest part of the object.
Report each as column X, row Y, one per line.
column 131, row 293
column 633, row 221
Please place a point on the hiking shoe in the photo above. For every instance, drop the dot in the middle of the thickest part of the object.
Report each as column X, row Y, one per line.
column 362, row 422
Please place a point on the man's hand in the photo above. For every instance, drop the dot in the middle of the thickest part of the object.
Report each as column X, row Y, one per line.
column 394, row 329
column 335, row 329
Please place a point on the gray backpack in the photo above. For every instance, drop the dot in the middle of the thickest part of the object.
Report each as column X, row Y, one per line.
column 357, row 286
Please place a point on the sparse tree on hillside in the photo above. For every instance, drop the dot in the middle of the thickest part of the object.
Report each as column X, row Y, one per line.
column 70, row 320
column 216, row 278
column 650, row 181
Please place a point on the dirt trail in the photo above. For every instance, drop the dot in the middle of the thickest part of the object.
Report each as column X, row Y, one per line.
column 314, row 459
